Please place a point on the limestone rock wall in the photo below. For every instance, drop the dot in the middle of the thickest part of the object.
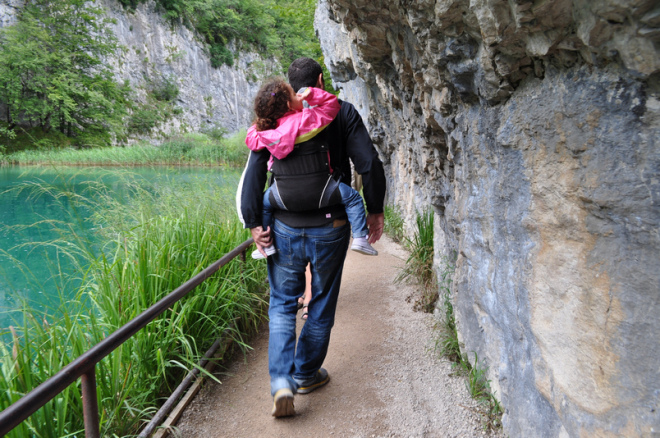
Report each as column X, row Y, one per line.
column 8, row 11
column 531, row 128
column 154, row 49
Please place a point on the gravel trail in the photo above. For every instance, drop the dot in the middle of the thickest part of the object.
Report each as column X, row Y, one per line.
column 385, row 379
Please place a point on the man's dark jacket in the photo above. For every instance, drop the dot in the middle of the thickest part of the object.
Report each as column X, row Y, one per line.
column 348, row 138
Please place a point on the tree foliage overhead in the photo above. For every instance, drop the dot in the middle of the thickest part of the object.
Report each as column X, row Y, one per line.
column 52, row 74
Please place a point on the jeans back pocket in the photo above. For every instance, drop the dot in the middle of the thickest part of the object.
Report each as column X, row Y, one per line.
column 329, row 253
column 284, row 254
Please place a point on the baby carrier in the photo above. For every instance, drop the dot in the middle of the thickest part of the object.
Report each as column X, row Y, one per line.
column 304, row 179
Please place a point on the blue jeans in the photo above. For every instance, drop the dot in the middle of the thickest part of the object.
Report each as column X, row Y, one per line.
column 324, row 248
column 350, row 198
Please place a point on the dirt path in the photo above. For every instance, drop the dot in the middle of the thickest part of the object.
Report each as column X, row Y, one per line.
column 385, row 380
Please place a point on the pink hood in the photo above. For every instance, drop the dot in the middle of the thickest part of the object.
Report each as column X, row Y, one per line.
column 320, row 108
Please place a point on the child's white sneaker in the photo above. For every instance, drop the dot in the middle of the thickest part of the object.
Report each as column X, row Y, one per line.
column 270, row 250
column 362, row 245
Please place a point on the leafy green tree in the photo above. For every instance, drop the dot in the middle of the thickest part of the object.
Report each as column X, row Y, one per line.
column 295, row 29
column 246, row 23
column 297, row 37
column 52, row 74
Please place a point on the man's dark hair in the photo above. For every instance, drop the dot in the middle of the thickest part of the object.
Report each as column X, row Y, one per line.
column 304, row 72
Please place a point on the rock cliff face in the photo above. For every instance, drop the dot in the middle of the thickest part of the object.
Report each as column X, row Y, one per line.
column 154, row 50
column 531, row 128
column 8, row 11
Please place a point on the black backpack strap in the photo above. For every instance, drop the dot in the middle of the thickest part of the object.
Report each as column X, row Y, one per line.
column 331, row 194
column 275, row 197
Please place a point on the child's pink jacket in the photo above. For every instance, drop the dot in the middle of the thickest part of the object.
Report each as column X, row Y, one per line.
column 296, row 126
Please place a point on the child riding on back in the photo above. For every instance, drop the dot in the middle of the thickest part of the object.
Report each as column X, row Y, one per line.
column 286, row 123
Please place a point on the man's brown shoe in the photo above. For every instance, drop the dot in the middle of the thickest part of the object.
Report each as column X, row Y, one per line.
column 283, row 403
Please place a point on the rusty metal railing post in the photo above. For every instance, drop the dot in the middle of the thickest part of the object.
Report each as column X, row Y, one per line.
column 90, row 404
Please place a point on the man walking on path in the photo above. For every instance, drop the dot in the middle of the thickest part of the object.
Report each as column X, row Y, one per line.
column 317, row 237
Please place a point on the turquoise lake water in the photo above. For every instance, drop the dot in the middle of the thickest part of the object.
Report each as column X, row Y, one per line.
column 32, row 269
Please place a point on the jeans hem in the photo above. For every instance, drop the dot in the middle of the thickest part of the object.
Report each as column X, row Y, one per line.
column 278, row 383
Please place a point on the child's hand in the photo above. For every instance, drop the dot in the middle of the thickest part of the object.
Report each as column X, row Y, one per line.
column 301, row 95
column 304, row 92
column 297, row 102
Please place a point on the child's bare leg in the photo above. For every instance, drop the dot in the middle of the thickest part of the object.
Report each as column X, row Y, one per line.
column 304, row 300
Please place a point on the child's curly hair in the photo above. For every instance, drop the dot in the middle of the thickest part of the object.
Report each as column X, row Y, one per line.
column 271, row 103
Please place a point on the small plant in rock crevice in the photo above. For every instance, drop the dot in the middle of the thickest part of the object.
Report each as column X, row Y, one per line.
column 394, row 223
column 478, row 386
column 448, row 345
column 419, row 265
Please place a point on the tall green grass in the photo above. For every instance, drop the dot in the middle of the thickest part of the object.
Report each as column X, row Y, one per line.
column 189, row 149
column 158, row 240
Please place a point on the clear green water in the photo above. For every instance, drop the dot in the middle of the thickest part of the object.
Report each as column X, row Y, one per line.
column 43, row 275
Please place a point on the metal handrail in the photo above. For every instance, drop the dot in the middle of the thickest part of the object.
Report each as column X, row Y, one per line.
column 85, row 365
